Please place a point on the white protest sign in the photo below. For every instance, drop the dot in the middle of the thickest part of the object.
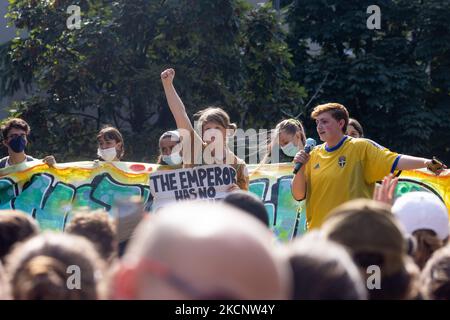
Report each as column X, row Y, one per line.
column 198, row 183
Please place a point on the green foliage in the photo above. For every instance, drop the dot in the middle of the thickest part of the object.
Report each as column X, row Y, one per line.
column 269, row 93
column 394, row 80
column 109, row 70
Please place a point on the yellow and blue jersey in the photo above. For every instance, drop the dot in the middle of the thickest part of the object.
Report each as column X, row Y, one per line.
column 347, row 171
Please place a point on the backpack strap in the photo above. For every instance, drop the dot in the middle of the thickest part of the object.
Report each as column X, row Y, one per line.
column 3, row 162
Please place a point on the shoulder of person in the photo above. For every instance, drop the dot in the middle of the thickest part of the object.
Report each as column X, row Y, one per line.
column 239, row 161
column 366, row 142
column 240, row 165
column 30, row 158
column 318, row 148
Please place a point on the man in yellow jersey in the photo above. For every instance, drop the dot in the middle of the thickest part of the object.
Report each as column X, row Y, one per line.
column 343, row 168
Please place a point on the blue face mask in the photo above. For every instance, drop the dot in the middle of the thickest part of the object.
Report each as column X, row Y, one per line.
column 18, row 144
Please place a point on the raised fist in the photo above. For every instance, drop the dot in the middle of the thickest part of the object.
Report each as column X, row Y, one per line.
column 167, row 76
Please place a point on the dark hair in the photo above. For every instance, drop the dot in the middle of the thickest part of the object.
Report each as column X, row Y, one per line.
column 15, row 123
column 39, row 269
column 110, row 133
column 15, row 226
column 249, row 203
column 323, row 270
column 355, row 124
column 97, row 227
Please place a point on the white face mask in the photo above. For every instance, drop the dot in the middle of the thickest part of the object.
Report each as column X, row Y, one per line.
column 107, row 154
column 290, row 149
column 173, row 159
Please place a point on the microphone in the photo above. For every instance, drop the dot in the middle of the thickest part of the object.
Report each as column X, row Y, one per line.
column 310, row 144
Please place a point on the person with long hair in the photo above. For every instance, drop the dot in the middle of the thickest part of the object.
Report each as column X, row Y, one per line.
column 215, row 127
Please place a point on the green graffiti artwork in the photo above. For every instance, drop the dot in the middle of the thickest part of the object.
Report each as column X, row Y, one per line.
column 51, row 197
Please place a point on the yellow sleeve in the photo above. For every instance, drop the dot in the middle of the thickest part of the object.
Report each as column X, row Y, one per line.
column 308, row 168
column 378, row 161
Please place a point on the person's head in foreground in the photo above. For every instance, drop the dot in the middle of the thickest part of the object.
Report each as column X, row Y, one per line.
column 250, row 203
column 435, row 277
column 323, row 270
column 199, row 250
column 97, row 227
column 170, row 152
column 15, row 226
column 354, row 129
column 376, row 242
column 111, row 146
column 424, row 216
column 54, row 266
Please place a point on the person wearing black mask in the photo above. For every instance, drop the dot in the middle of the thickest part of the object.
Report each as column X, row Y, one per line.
column 15, row 132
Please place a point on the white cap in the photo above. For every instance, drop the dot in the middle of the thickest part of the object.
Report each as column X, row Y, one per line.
column 174, row 134
column 422, row 210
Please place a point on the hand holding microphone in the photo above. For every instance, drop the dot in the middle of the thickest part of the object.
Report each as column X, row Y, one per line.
column 302, row 157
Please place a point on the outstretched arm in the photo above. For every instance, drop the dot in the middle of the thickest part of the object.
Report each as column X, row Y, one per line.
column 409, row 163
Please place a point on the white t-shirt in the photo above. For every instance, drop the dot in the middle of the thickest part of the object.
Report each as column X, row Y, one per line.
column 4, row 162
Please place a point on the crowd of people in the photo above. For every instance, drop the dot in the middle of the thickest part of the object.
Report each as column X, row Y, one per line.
column 365, row 249
column 362, row 242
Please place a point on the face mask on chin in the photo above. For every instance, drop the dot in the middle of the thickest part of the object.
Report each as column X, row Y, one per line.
column 107, row 154
column 290, row 149
column 18, row 144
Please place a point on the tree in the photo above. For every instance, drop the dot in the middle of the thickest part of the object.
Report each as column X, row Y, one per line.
column 108, row 71
column 269, row 92
column 382, row 76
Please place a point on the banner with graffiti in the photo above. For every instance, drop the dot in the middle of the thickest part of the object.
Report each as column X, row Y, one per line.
column 51, row 195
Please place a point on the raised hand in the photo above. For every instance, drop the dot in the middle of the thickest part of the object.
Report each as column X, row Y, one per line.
column 385, row 192
column 49, row 160
column 167, row 76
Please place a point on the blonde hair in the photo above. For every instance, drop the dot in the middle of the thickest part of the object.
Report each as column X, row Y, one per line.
column 111, row 133
column 290, row 126
column 427, row 244
column 338, row 112
column 216, row 115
